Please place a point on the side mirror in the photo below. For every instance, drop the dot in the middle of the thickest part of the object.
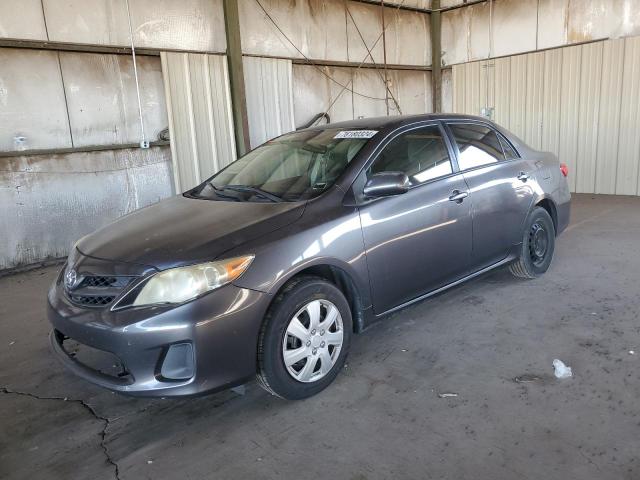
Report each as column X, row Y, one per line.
column 385, row 184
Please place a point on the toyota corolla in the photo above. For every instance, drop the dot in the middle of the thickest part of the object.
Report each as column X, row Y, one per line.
column 270, row 266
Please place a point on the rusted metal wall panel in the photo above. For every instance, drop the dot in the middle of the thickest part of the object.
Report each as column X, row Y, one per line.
column 367, row 80
column 368, row 18
column 326, row 30
column 514, row 26
column 456, row 36
column 447, row 90
column 30, row 84
column 200, row 118
column 187, row 25
column 22, row 19
column 407, row 35
column 412, row 91
column 609, row 122
column 520, row 26
column 479, row 45
column 580, row 102
column 320, row 89
column 627, row 182
column 49, row 202
column 315, row 92
column 597, row 19
column 317, row 28
column 101, row 98
column 552, row 23
column 268, row 84
column 589, row 116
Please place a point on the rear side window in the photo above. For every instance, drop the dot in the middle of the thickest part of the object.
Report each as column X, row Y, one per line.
column 421, row 154
column 478, row 145
column 509, row 152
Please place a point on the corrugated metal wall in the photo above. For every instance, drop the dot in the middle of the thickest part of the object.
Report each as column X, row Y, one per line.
column 200, row 116
column 580, row 102
column 269, row 90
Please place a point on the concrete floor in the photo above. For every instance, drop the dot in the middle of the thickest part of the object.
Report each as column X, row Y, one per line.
column 383, row 417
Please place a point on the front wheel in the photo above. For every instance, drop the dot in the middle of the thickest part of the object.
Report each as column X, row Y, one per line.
column 538, row 244
column 305, row 339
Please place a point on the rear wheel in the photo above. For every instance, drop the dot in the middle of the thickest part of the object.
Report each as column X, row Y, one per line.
column 305, row 339
column 538, row 245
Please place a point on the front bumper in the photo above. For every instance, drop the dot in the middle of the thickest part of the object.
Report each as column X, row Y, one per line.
column 221, row 327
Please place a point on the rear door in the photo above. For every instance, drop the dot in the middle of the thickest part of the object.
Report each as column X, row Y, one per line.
column 499, row 189
column 418, row 241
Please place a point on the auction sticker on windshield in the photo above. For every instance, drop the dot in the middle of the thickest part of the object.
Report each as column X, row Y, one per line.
column 356, row 134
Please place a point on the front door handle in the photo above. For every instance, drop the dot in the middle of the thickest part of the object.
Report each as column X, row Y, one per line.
column 458, row 196
column 524, row 176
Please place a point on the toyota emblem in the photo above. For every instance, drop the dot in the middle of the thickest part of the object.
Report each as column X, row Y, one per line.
column 70, row 279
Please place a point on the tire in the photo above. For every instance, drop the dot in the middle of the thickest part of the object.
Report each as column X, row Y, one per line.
column 304, row 298
column 538, row 244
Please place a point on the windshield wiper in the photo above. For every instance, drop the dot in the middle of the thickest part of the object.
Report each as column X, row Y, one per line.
column 256, row 190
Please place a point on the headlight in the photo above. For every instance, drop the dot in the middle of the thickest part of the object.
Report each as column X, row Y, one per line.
column 178, row 285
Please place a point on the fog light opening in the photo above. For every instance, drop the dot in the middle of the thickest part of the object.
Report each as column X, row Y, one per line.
column 178, row 363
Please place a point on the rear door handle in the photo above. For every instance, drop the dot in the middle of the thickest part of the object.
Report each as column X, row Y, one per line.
column 524, row 176
column 458, row 196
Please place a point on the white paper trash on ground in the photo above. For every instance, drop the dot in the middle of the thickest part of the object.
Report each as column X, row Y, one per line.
column 561, row 370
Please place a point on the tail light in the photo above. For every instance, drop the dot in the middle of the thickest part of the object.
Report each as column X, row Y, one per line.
column 564, row 169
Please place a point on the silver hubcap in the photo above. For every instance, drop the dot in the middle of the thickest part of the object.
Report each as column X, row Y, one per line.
column 313, row 341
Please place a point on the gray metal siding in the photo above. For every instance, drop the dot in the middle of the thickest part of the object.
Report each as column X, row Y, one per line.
column 200, row 117
column 580, row 102
column 268, row 83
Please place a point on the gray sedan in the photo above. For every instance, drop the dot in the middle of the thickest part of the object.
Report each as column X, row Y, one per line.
column 270, row 266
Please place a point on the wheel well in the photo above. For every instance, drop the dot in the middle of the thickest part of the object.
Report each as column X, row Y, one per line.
column 550, row 207
column 343, row 281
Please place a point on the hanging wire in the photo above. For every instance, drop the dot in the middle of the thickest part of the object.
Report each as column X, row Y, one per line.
column 363, row 60
column 143, row 142
column 319, row 68
column 370, row 54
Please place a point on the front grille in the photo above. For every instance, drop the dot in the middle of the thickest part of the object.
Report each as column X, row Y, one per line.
column 93, row 301
column 98, row 290
column 98, row 281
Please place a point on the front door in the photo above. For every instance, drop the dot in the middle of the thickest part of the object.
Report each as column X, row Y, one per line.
column 418, row 241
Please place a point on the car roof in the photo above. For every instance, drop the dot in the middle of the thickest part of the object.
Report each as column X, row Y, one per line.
column 395, row 121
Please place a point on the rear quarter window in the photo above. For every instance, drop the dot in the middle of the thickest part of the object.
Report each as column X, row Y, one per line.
column 478, row 145
column 509, row 151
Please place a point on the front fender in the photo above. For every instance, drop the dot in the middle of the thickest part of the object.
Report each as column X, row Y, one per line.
column 287, row 252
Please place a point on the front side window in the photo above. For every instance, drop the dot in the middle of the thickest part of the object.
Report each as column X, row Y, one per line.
column 296, row 166
column 478, row 145
column 421, row 154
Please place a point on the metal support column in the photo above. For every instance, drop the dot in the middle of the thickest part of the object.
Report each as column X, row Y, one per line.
column 436, row 55
column 236, row 76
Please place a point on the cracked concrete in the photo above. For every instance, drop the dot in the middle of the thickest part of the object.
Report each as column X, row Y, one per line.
column 89, row 408
column 382, row 418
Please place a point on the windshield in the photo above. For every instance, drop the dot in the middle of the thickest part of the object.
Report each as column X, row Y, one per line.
column 296, row 166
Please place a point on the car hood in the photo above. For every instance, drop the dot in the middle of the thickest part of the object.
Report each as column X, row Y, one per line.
column 182, row 231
